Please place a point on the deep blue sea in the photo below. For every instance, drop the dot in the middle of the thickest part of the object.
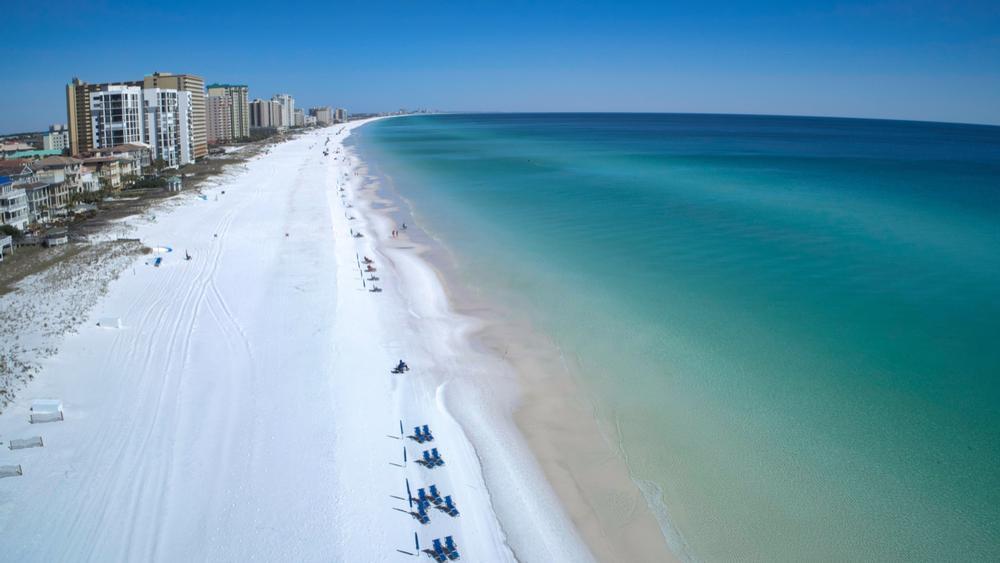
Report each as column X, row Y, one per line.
column 794, row 321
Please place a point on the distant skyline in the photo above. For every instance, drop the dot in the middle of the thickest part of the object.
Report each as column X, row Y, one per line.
column 932, row 61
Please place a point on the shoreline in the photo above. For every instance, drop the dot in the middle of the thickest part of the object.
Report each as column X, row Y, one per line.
column 472, row 390
column 550, row 410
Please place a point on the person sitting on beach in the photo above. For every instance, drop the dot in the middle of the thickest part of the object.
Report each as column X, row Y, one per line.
column 402, row 366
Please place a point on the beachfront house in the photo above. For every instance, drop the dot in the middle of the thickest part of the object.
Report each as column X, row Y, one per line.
column 88, row 180
column 138, row 157
column 59, row 170
column 107, row 169
column 13, row 204
column 18, row 170
column 46, row 200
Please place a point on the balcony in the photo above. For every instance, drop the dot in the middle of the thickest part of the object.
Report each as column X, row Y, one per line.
column 14, row 201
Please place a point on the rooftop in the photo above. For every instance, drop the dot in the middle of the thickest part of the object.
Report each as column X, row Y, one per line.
column 100, row 159
column 15, row 166
column 55, row 162
column 15, row 146
column 128, row 147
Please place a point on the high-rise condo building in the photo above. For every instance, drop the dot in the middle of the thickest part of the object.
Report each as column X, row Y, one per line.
column 287, row 109
column 196, row 86
column 167, row 115
column 56, row 139
column 239, row 106
column 79, row 119
column 323, row 115
column 340, row 116
column 219, row 118
column 266, row 113
column 115, row 116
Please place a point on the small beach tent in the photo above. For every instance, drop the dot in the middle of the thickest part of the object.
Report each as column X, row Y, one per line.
column 46, row 410
column 10, row 471
column 22, row 443
column 110, row 322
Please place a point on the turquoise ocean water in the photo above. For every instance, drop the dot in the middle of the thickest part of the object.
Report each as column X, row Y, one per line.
column 795, row 321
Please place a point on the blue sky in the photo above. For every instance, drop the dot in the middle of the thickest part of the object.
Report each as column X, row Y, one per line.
column 910, row 60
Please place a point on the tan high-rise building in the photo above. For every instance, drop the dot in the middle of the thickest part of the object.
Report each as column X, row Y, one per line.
column 196, row 86
column 239, row 106
column 78, row 114
column 323, row 115
column 220, row 122
column 264, row 113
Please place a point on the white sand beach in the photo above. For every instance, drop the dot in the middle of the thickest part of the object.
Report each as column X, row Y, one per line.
column 245, row 409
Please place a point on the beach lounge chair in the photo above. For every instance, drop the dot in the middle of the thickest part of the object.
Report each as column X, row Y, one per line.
column 421, row 514
column 437, row 457
column 427, row 434
column 450, row 507
column 427, row 460
column 451, row 549
column 439, row 549
column 435, row 495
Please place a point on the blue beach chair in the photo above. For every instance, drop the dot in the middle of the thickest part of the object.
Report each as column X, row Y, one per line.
column 422, row 516
column 450, row 507
column 437, row 457
column 451, row 548
column 417, row 436
column 427, row 434
column 435, row 495
column 438, row 549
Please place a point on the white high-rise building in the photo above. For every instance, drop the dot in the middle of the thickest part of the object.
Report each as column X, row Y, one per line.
column 116, row 116
column 287, row 109
column 167, row 121
column 56, row 139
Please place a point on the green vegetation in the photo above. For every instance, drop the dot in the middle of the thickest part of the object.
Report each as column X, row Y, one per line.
column 148, row 183
column 90, row 197
column 10, row 230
